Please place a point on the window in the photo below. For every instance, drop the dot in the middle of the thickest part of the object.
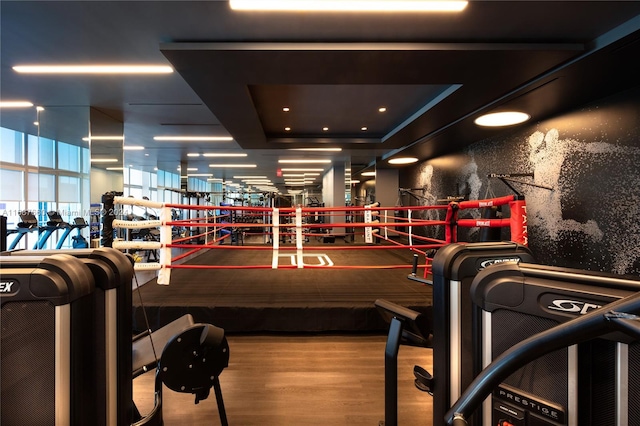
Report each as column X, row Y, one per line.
column 12, row 146
column 11, row 185
column 68, row 157
column 69, row 189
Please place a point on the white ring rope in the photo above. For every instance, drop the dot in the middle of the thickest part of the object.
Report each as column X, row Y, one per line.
column 137, row 202
column 139, row 245
column 137, row 224
column 164, row 274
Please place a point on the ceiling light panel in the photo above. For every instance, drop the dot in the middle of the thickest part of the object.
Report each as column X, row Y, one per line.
column 350, row 5
column 304, row 161
column 193, row 138
column 93, row 69
column 317, row 149
column 223, row 154
column 248, row 166
column 15, row 104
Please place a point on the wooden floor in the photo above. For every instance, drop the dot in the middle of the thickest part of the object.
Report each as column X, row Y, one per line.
column 302, row 380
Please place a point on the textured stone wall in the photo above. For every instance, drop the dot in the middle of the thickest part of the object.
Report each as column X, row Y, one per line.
column 590, row 219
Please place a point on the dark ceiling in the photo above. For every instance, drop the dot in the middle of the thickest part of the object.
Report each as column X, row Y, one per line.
column 235, row 71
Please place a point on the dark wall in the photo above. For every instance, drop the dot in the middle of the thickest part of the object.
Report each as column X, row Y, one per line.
column 591, row 159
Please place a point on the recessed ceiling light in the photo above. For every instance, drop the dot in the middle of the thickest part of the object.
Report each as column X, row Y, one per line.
column 300, row 169
column 249, row 177
column 403, row 160
column 498, row 119
column 368, row 173
column 193, row 154
column 193, row 138
column 350, row 5
column 36, row 123
column 133, row 148
column 364, row 129
column 39, row 108
column 382, row 109
column 115, row 168
column 304, row 161
column 325, row 129
column 199, row 174
column 355, row 181
column 93, row 69
column 146, row 154
column 15, row 104
column 285, row 109
column 287, row 129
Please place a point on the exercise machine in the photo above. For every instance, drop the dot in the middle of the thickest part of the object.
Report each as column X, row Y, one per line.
column 114, row 357
column 46, row 367
column 407, row 327
column 78, row 240
column 55, row 223
column 28, row 223
column 560, row 347
column 191, row 362
column 455, row 339
column 109, row 340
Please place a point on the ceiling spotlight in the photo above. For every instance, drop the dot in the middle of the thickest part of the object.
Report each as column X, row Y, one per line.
column 364, row 129
column 506, row 118
column 324, row 129
column 403, row 160
column 287, row 129
column 382, row 109
column 285, row 109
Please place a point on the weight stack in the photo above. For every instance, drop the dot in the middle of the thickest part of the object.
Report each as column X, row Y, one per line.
column 45, row 319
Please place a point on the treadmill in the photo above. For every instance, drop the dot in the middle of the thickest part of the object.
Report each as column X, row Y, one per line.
column 28, row 223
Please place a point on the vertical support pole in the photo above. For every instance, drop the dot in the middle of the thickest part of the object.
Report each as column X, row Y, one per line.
column 164, row 275
column 299, row 237
column 275, row 227
column 108, row 216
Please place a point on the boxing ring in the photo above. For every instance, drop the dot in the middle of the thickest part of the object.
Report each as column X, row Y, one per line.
column 297, row 268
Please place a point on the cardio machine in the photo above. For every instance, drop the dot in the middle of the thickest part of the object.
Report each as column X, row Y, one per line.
column 28, row 223
column 54, row 224
column 78, row 240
